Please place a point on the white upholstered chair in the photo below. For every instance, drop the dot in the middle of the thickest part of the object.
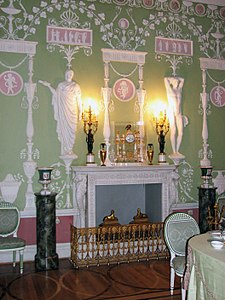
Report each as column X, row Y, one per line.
column 9, row 223
column 178, row 228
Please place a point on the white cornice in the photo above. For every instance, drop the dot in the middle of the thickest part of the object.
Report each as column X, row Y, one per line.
column 212, row 2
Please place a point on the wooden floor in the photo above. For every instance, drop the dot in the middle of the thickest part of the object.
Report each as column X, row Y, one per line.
column 143, row 280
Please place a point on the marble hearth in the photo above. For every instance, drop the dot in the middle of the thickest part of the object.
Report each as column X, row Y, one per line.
column 97, row 190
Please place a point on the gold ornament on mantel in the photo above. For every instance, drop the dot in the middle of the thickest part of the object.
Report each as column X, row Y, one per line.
column 90, row 128
column 140, row 217
column 110, row 220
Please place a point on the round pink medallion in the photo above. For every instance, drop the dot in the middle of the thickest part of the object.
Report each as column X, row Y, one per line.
column 148, row 3
column 222, row 12
column 200, row 9
column 123, row 23
column 124, row 89
column 11, row 83
column 217, row 96
column 174, row 5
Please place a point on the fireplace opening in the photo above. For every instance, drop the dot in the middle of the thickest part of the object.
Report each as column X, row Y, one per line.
column 125, row 199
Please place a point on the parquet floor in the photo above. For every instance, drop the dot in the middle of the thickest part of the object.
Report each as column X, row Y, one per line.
column 134, row 281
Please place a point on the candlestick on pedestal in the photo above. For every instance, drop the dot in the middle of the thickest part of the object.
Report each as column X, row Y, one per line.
column 90, row 128
column 162, row 128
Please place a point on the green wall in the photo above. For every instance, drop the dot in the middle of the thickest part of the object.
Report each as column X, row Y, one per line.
column 89, row 73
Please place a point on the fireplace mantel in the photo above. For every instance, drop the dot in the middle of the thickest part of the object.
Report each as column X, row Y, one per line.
column 87, row 178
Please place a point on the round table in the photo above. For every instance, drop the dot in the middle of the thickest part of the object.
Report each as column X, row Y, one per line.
column 205, row 274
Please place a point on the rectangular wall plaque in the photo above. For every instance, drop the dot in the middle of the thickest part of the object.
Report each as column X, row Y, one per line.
column 18, row 46
column 123, row 56
column 173, row 46
column 69, row 36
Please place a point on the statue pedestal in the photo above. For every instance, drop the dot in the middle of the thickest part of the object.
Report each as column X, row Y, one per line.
column 207, row 199
column 90, row 159
column 46, row 257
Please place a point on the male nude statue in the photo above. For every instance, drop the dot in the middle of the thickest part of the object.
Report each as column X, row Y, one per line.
column 174, row 93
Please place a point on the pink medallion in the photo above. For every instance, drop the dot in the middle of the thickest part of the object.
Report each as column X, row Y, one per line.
column 123, row 23
column 217, row 96
column 11, row 83
column 222, row 12
column 174, row 5
column 148, row 3
column 124, row 89
column 200, row 9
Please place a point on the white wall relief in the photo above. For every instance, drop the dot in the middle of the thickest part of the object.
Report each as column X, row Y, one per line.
column 58, row 184
column 177, row 121
column 67, row 105
column 205, row 107
column 11, row 83
column 217, row 93
column 69, row 35
column 185, row 182
column 28, row 102
column 138, row 59
column 219, row 181
column 195, row 7
column 118, row 30
column 66, row 35
column 80, row 203
column 174, row 47
column 10, row 187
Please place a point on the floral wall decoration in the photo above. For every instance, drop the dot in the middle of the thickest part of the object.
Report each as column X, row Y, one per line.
column 68, row 34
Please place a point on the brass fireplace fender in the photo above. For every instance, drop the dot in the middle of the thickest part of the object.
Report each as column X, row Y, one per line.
column 117, row 244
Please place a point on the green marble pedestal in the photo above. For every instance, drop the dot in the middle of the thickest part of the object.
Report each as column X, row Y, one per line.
column 46, row 257
column 207, row 198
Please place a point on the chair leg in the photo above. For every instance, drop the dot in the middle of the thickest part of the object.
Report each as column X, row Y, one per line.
column 21, row 261
column 172, row 277
column 14, row 259
column 183, row 291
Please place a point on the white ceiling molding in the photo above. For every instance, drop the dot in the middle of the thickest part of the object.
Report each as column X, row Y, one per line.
column 213, row 2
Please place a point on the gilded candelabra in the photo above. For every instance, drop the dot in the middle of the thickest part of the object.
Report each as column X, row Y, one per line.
column 90, row 128
column 162, row 127
column 216, row 221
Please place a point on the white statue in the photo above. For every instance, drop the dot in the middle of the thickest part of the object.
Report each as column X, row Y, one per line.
column 66, row 100
column 80, row 202
column 177, row 120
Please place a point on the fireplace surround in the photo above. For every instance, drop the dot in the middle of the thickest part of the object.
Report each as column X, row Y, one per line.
column 89, row 182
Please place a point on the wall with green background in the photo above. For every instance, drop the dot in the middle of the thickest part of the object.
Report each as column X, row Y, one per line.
column 147, row 19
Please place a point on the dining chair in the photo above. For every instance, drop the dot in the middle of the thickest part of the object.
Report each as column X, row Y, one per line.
column 178, row 228
column 9, row 223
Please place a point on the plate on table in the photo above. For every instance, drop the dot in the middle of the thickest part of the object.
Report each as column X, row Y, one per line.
column 215, row 235
column 217, row 244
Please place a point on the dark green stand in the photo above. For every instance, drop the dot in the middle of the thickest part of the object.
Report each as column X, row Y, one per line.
column 207, row 198
column 46, row 257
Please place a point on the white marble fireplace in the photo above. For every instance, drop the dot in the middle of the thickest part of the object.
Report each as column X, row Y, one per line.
column 93, row 186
